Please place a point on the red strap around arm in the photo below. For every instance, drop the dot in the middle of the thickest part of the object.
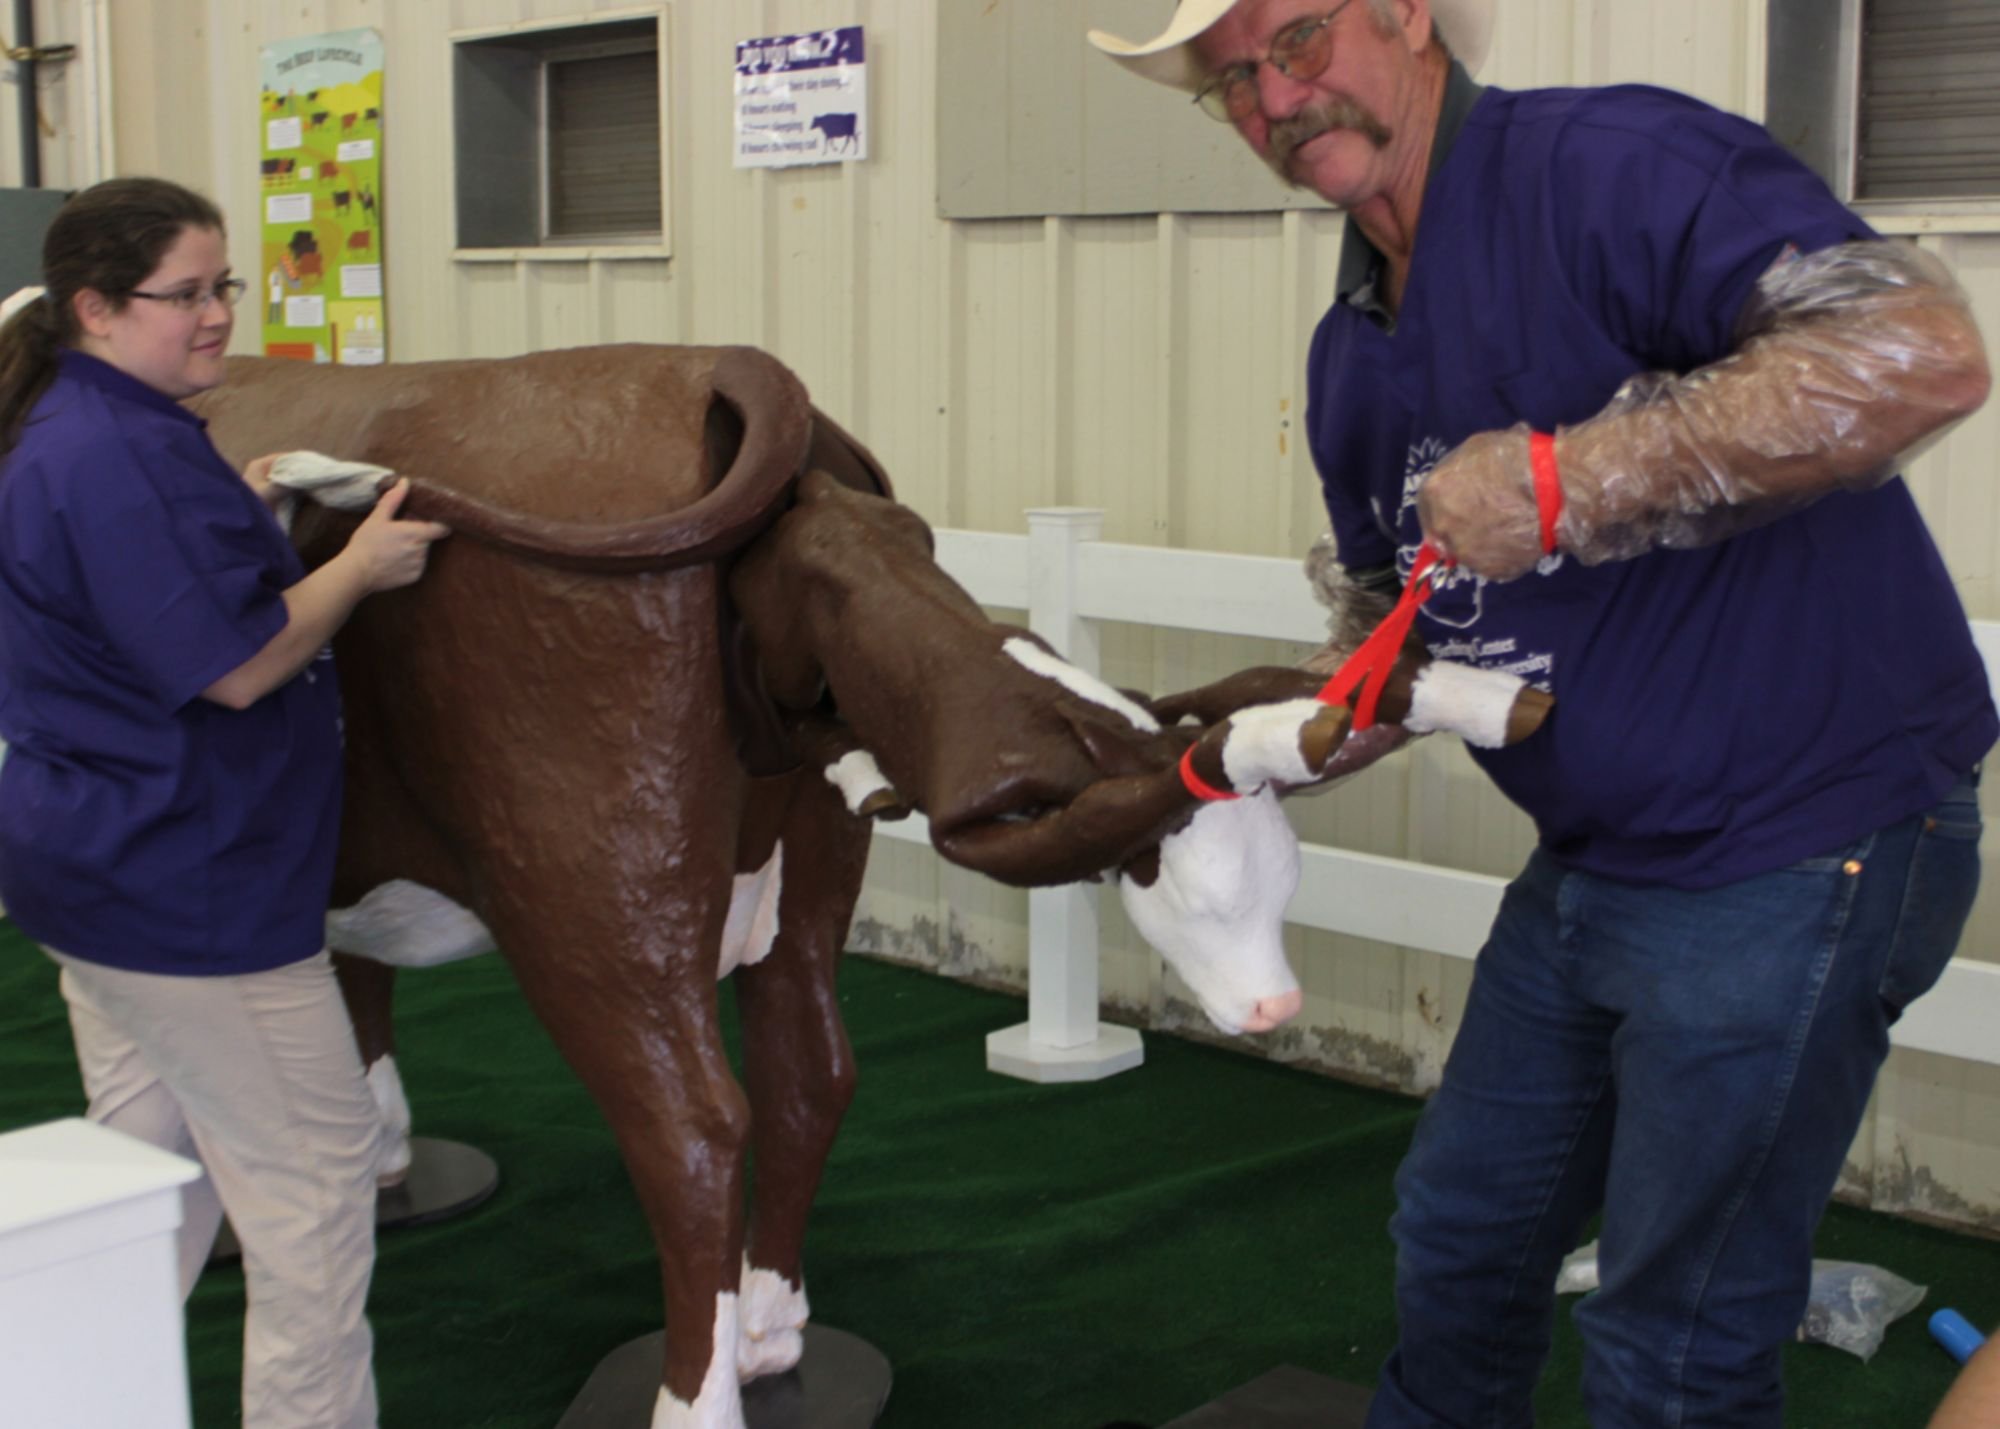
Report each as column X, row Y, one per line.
column 1548, row 486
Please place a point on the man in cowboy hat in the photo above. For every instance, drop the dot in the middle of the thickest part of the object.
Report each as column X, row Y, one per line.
column 1644, row 385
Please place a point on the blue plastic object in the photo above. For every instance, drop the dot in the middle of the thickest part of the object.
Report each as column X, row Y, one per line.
column 1955, row 1333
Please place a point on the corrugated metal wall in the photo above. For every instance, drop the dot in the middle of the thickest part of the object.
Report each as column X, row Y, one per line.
column 1150, row 366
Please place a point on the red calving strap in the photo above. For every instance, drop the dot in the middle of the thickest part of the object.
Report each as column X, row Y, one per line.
column 1370, row 665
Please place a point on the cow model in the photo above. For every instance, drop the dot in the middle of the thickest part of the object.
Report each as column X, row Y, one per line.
column 586, row 725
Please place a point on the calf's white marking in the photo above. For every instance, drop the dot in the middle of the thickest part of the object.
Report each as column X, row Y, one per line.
column 1217, row 910
column 752, row 924
column 1084, row 686
column 718, row 1404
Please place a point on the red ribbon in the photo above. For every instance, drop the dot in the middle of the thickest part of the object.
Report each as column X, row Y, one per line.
column 1548, row 486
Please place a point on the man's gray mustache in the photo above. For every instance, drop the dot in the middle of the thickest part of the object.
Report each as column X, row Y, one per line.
column 1290, row 135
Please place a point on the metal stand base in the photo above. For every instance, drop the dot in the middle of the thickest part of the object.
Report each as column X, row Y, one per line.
column 447, row 1178
column 841, row 1382
column 1013, row 1052
column 1286, row 1398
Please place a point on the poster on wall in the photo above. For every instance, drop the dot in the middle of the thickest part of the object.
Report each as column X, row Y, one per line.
column 319, row 277
column 802, row 99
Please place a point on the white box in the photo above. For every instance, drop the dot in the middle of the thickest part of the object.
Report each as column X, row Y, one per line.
column 91, row 1331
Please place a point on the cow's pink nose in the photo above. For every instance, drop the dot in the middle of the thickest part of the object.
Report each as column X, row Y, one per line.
column 1274, row 1011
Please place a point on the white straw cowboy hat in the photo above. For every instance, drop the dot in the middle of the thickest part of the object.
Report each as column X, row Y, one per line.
column 1467, row 27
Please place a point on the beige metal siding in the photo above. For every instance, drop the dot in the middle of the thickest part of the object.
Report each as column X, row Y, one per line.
column 1149, row 365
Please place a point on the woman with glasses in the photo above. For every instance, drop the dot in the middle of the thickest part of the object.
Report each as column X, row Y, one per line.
column 170, row 797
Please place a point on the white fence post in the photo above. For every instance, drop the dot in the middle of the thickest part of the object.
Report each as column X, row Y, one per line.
column 1062, row 1040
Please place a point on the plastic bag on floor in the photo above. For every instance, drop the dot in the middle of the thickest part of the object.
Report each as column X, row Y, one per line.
column 1579, row 1271
column 1850, row 1306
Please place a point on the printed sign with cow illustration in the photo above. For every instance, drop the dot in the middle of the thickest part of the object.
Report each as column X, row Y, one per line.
column 802, row 99
column 320, row 270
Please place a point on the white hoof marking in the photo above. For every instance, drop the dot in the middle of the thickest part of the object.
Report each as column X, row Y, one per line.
column 857, row 776
column 718, row 1404
column 773, row 1324
column 1263, row 745
column 392, row 1161
column 1464, row 699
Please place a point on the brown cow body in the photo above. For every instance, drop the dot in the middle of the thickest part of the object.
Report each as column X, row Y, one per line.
column 550, row 748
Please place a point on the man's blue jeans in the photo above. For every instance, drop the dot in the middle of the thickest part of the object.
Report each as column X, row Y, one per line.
column 1695, row 1065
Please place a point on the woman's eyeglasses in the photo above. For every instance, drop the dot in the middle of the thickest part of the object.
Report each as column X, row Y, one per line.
column 193, row 300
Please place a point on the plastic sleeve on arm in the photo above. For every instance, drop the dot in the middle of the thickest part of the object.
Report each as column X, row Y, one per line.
column 1356, row 602
column 1849, row 363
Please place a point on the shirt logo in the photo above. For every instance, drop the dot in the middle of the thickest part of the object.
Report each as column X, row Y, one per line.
column 1457, row 597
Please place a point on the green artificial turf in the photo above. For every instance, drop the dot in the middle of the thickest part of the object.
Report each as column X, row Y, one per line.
column 1027, row 1257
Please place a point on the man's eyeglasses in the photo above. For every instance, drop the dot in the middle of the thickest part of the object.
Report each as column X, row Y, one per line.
column 193, row 300
column 1300, row 52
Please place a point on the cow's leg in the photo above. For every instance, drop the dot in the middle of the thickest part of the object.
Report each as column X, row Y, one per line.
column 631, row 1004
column 796, row 1062
column 384, row 837
column 369, row 990
column 566, row 735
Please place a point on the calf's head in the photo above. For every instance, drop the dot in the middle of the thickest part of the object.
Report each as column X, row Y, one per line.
column 1212, row 900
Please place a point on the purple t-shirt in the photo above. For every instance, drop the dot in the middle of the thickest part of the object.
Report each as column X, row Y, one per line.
column 1719, row 712
column 141, row 825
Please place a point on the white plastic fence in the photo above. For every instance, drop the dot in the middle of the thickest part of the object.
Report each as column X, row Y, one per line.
column 1067, row 579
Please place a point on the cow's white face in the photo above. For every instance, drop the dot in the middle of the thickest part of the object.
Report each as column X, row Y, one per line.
column 1217, row 910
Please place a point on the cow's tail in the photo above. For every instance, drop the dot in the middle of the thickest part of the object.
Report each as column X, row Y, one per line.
column 760, row 424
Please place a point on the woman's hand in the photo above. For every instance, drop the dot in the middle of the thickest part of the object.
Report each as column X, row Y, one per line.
column 389, row 553
column 382, row 554
column 257, row 472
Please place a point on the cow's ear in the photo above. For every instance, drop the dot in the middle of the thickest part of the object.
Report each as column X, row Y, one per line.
column 1143, row 869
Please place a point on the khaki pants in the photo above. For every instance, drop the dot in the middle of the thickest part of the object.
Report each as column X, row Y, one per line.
column 257, row 1078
